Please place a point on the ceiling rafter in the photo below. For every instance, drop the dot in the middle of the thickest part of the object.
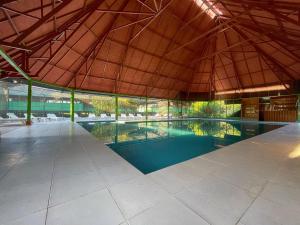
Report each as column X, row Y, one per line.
column 32, row 28
column 92, row 48
column 236, row 73
column 151, row 21
column 79, row 46
column 274, row 65
column 86, row 13
column 207, row 33
column 123, row 56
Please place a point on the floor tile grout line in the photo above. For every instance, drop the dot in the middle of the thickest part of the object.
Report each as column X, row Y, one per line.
column 12, row 167
column 116, row 203
column 127, row 220
column 51, row 183
column 256, row 197
column 77, row 197
column 24, row 216
column 194, row 211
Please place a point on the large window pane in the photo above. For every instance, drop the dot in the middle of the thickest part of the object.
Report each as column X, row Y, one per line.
column 49, row 104
column 233, row 108
column 157, row 109
column 13, row 100
column 193, row 109
column 175, row 109
column 131, row 108
column 185, row 108
column 204, row 109
column 94, row 107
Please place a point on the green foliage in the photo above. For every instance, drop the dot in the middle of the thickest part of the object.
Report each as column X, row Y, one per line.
column 103, row 104
column 128, row 105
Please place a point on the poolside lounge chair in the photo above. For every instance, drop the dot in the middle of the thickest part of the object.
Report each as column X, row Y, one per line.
column 139, row 116
column 123, row 116
column 113, row 116
column 92, row 115
column 103, row 116
column 12, row 116
column 131, row 116
column 33, row 118
column 51, row 116
column 157, row 116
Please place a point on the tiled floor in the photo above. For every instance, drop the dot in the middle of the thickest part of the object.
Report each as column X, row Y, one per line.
column 59, row 174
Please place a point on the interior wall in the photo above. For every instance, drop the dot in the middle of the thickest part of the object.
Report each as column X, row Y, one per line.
column 281, row 109
column 250, row 108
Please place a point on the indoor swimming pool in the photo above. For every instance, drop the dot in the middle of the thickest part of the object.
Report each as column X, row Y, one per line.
column 150, row 146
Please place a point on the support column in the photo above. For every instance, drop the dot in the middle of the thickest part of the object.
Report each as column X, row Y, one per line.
column 168, row 109
column 181, row 109
column 117, row 107
column 72, row 106
column 146, row 114
column 29, row 95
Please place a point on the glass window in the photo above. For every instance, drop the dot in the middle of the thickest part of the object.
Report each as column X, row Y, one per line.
column 219, row 109
column 49, row 104
column 175, row 109
column 204, row 109
column 233, row 108
column 94, row 107
column 185, row 108
column 157, row 109
column 13, row 100
column 131, row 108
column 193, row 109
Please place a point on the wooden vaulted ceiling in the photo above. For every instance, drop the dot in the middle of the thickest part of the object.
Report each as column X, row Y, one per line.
column 156, row 48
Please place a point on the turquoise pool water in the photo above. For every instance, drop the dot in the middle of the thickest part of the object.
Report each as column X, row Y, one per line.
column 150, row 146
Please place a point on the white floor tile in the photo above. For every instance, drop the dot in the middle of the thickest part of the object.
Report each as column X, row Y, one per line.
column 74, row 186
column 289, row 196
column 175, row 178
column 32, row 219
column 216, row 201
column 94, row 209
column 241, row 178
column 168, row 212
column 118, row 173
column 23, row 200
column 138, row 194
column 264, row 212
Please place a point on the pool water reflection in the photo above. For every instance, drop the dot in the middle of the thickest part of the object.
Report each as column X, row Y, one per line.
column 150, row 146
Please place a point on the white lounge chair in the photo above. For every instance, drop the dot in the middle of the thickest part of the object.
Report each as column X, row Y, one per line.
column 76, row 115
column 92, row 115
column 103, row 116
column 139, row 116
column 12, row 116
column 113, row 116
column 131, row 116
column 51, row 116
column 157, row 116
column 123, row 116
column 33, row 118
